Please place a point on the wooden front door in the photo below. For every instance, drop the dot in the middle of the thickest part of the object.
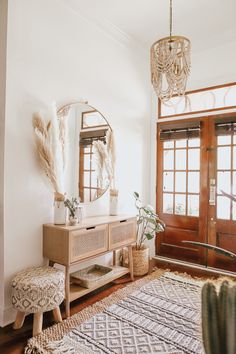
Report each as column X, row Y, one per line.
column 191, row 172
column 222, row 178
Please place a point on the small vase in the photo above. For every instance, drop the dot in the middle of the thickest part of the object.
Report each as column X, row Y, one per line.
column 73, row 220
column 113, row 201
column 59, row 210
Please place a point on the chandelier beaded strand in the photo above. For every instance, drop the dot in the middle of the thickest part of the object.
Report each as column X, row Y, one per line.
column 170, row 64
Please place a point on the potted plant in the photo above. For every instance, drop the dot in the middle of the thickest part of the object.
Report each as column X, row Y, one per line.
column 72, row 205
column 148, row 225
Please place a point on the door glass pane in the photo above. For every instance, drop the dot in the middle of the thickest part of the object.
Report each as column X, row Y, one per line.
column 234, row 183
column 87, row 162
column 167, row 203
column 168, row 159
column 168, row 181
column 193, row 182
column 181, row 143
column 168, row 144
column 234, row 139
column 86, row 179
column 180, row 204
column 194, row 142
column 234, row 157
column 223, row 208
column 180, row 181
column 194, row 159
column 223, row 158
column 180, row 159
column 87, row 194
column 193, row 205
column 224, row 140
column 223, row 182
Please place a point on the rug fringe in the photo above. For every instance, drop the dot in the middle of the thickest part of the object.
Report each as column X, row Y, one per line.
column 63, row 347
column 60, row 347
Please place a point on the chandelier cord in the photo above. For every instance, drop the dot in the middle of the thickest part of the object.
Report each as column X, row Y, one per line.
column 170, row 18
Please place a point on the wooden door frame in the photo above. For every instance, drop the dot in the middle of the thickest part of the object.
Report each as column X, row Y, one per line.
column 205, row 212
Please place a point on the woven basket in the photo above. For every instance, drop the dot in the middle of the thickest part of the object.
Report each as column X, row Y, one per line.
column 91, row 276
column 140, row 260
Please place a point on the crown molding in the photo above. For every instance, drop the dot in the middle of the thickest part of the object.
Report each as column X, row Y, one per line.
column 107, row 27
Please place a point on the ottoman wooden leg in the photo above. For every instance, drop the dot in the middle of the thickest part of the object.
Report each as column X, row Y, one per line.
column 20, row 317
column 38, row 323
column 57, row 314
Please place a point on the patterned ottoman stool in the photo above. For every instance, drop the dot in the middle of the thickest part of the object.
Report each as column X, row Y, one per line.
column 37, row 290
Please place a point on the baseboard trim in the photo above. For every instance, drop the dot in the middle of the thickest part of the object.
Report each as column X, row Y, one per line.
column 211, row 270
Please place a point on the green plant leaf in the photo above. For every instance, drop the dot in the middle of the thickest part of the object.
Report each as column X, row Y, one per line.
column 149, row 236
column 136, row 195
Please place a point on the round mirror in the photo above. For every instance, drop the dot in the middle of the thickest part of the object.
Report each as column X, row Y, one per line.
column 85, row 125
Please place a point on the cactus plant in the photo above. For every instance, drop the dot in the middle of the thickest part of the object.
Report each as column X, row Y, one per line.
column 219, row 318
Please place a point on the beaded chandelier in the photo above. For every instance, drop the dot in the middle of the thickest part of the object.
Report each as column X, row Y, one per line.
column 170, row 64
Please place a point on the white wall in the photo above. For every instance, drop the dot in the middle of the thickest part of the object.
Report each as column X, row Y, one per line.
column 55, row 54
column 3, row 42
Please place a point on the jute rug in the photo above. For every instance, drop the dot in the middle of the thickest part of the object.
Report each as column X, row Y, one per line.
column 160, row 313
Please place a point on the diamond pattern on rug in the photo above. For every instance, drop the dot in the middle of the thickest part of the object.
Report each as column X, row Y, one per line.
column 162, row 317
column 120, row 337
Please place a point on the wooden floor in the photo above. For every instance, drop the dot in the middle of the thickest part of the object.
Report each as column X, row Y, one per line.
column 14, row 341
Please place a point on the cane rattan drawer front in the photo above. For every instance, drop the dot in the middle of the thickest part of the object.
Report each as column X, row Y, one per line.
column 88, row 242
column 122, row 233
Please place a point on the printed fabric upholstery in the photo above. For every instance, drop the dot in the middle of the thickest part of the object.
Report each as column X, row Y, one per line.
column 38, row 289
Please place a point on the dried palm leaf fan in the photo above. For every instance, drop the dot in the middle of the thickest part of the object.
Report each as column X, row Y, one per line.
column 170, row 64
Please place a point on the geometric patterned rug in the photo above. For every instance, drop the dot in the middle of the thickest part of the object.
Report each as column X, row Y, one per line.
column 161, row 316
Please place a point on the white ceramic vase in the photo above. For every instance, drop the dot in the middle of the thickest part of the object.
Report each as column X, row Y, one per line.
column 113, row 202
column 59, row 213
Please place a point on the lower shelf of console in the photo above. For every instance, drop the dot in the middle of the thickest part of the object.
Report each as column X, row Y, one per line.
column 77, row 291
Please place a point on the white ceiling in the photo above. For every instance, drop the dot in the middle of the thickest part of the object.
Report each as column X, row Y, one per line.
column 205, row 22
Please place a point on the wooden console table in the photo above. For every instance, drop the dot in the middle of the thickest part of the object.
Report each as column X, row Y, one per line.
column 95, row 236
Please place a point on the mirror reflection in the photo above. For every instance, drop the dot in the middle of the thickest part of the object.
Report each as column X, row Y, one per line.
column 85, row 125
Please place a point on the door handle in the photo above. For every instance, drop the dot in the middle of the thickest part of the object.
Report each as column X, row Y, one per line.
column 213, row 221
column 212, row 198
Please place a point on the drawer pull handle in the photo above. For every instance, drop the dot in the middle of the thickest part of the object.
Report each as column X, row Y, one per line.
column 123, row 220
column 90, row 228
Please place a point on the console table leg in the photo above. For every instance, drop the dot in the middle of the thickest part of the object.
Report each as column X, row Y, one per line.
column 131, row 268
column 67, row 290
column 51, row 263
column 114, row 258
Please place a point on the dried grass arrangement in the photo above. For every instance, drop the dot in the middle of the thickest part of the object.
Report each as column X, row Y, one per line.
column 51, row 147
column 106, row 159
column 100, row 151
